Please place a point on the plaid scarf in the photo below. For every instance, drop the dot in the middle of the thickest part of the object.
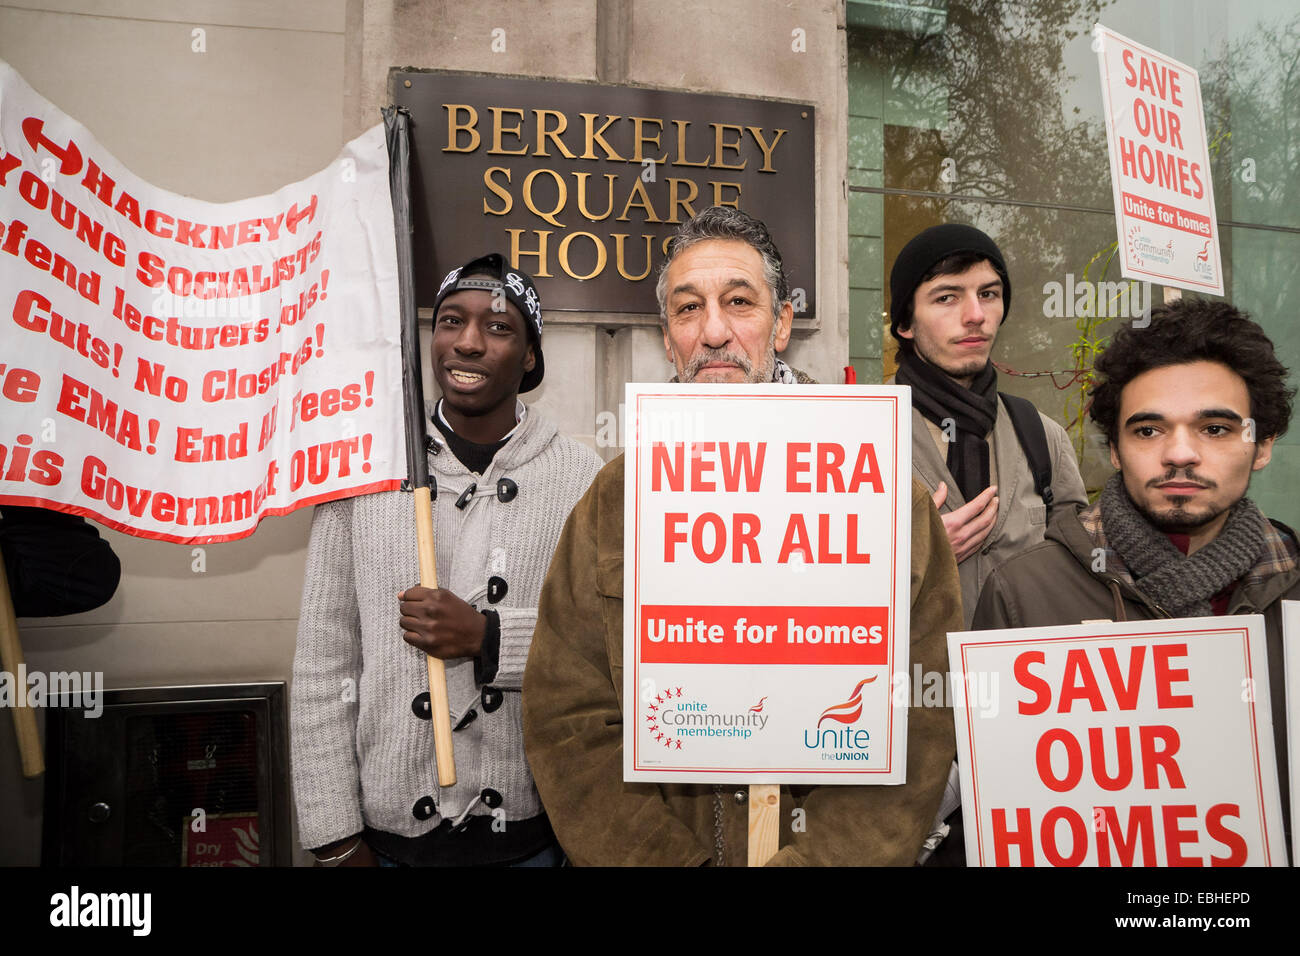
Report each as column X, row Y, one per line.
column 783, row 374
column 1247, row 549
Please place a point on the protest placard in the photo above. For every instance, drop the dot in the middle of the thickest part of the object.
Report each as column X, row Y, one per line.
column 767, row 576
column 1159, row 166
column 1138, row 743
column 178, row 369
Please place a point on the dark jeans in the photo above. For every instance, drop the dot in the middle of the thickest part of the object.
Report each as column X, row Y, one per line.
column 549, row 856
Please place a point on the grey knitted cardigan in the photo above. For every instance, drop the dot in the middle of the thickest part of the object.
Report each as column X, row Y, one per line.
column 360, row 755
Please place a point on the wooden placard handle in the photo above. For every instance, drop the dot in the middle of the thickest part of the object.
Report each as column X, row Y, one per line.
column 764, row 822
column 11, row 657
column 439, row 706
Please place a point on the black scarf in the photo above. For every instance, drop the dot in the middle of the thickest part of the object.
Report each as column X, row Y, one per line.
column 473, row 455
column 974, row 410
column 1181, row 584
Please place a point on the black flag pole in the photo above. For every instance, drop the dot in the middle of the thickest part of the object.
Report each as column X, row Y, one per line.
column 396, row 123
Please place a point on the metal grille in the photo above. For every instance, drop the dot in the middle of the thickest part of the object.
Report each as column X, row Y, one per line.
column 177, row 764
column 170, row 776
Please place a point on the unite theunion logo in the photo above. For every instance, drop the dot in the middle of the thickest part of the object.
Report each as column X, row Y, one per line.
column 850, row 710
column 843, row 743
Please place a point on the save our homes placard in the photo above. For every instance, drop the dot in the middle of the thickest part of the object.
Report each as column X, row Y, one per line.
column 1159, row 166
column 1138, row 743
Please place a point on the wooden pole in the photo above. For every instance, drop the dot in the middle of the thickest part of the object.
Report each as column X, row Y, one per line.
column 421, row 482
column 439, row 705
column 11, row 659
column 764, row 822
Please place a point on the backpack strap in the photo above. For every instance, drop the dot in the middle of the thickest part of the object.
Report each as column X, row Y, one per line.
column 1033, row 441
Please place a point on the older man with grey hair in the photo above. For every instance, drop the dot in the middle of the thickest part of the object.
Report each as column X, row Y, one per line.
column 726, row 311
column 725, row 302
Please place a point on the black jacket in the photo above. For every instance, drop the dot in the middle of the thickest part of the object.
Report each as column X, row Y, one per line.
column 56, row 563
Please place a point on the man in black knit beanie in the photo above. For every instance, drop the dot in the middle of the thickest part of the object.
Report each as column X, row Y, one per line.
column 995, row 466
column 949, row 295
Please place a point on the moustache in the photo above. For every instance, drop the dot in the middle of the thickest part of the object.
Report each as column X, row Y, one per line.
column 708, row 355
column 1187, row 475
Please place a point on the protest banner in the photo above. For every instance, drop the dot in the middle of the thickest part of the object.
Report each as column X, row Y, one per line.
column 1291, row 659
column 179, row 369
column 1135, row 743
column 767, row 570
column 1159, row 166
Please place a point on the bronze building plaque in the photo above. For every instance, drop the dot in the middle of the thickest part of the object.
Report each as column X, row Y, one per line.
column 580, row 184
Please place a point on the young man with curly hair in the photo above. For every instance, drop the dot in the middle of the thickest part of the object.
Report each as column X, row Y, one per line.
column 1191, row 407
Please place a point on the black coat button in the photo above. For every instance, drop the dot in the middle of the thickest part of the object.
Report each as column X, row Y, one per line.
column 424, row 808
column 491, row 799
column 506, row 489
column 470, row 716
column 492, row 698
column 465, row 496
column 497, row 589
column 420, row 706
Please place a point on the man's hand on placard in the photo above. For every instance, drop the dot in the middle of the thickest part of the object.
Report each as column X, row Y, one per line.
column 969, row 525
column 439, row 623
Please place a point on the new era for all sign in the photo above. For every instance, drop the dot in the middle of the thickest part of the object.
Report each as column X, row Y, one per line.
column 767, row 583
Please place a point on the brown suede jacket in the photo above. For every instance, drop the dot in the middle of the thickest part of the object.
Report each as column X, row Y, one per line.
column 573, row 723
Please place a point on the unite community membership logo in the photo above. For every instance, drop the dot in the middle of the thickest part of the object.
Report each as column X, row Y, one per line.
column 673, row 717
column 1147, row 251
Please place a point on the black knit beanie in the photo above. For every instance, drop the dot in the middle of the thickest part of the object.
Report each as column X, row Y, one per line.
column 927, row 249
